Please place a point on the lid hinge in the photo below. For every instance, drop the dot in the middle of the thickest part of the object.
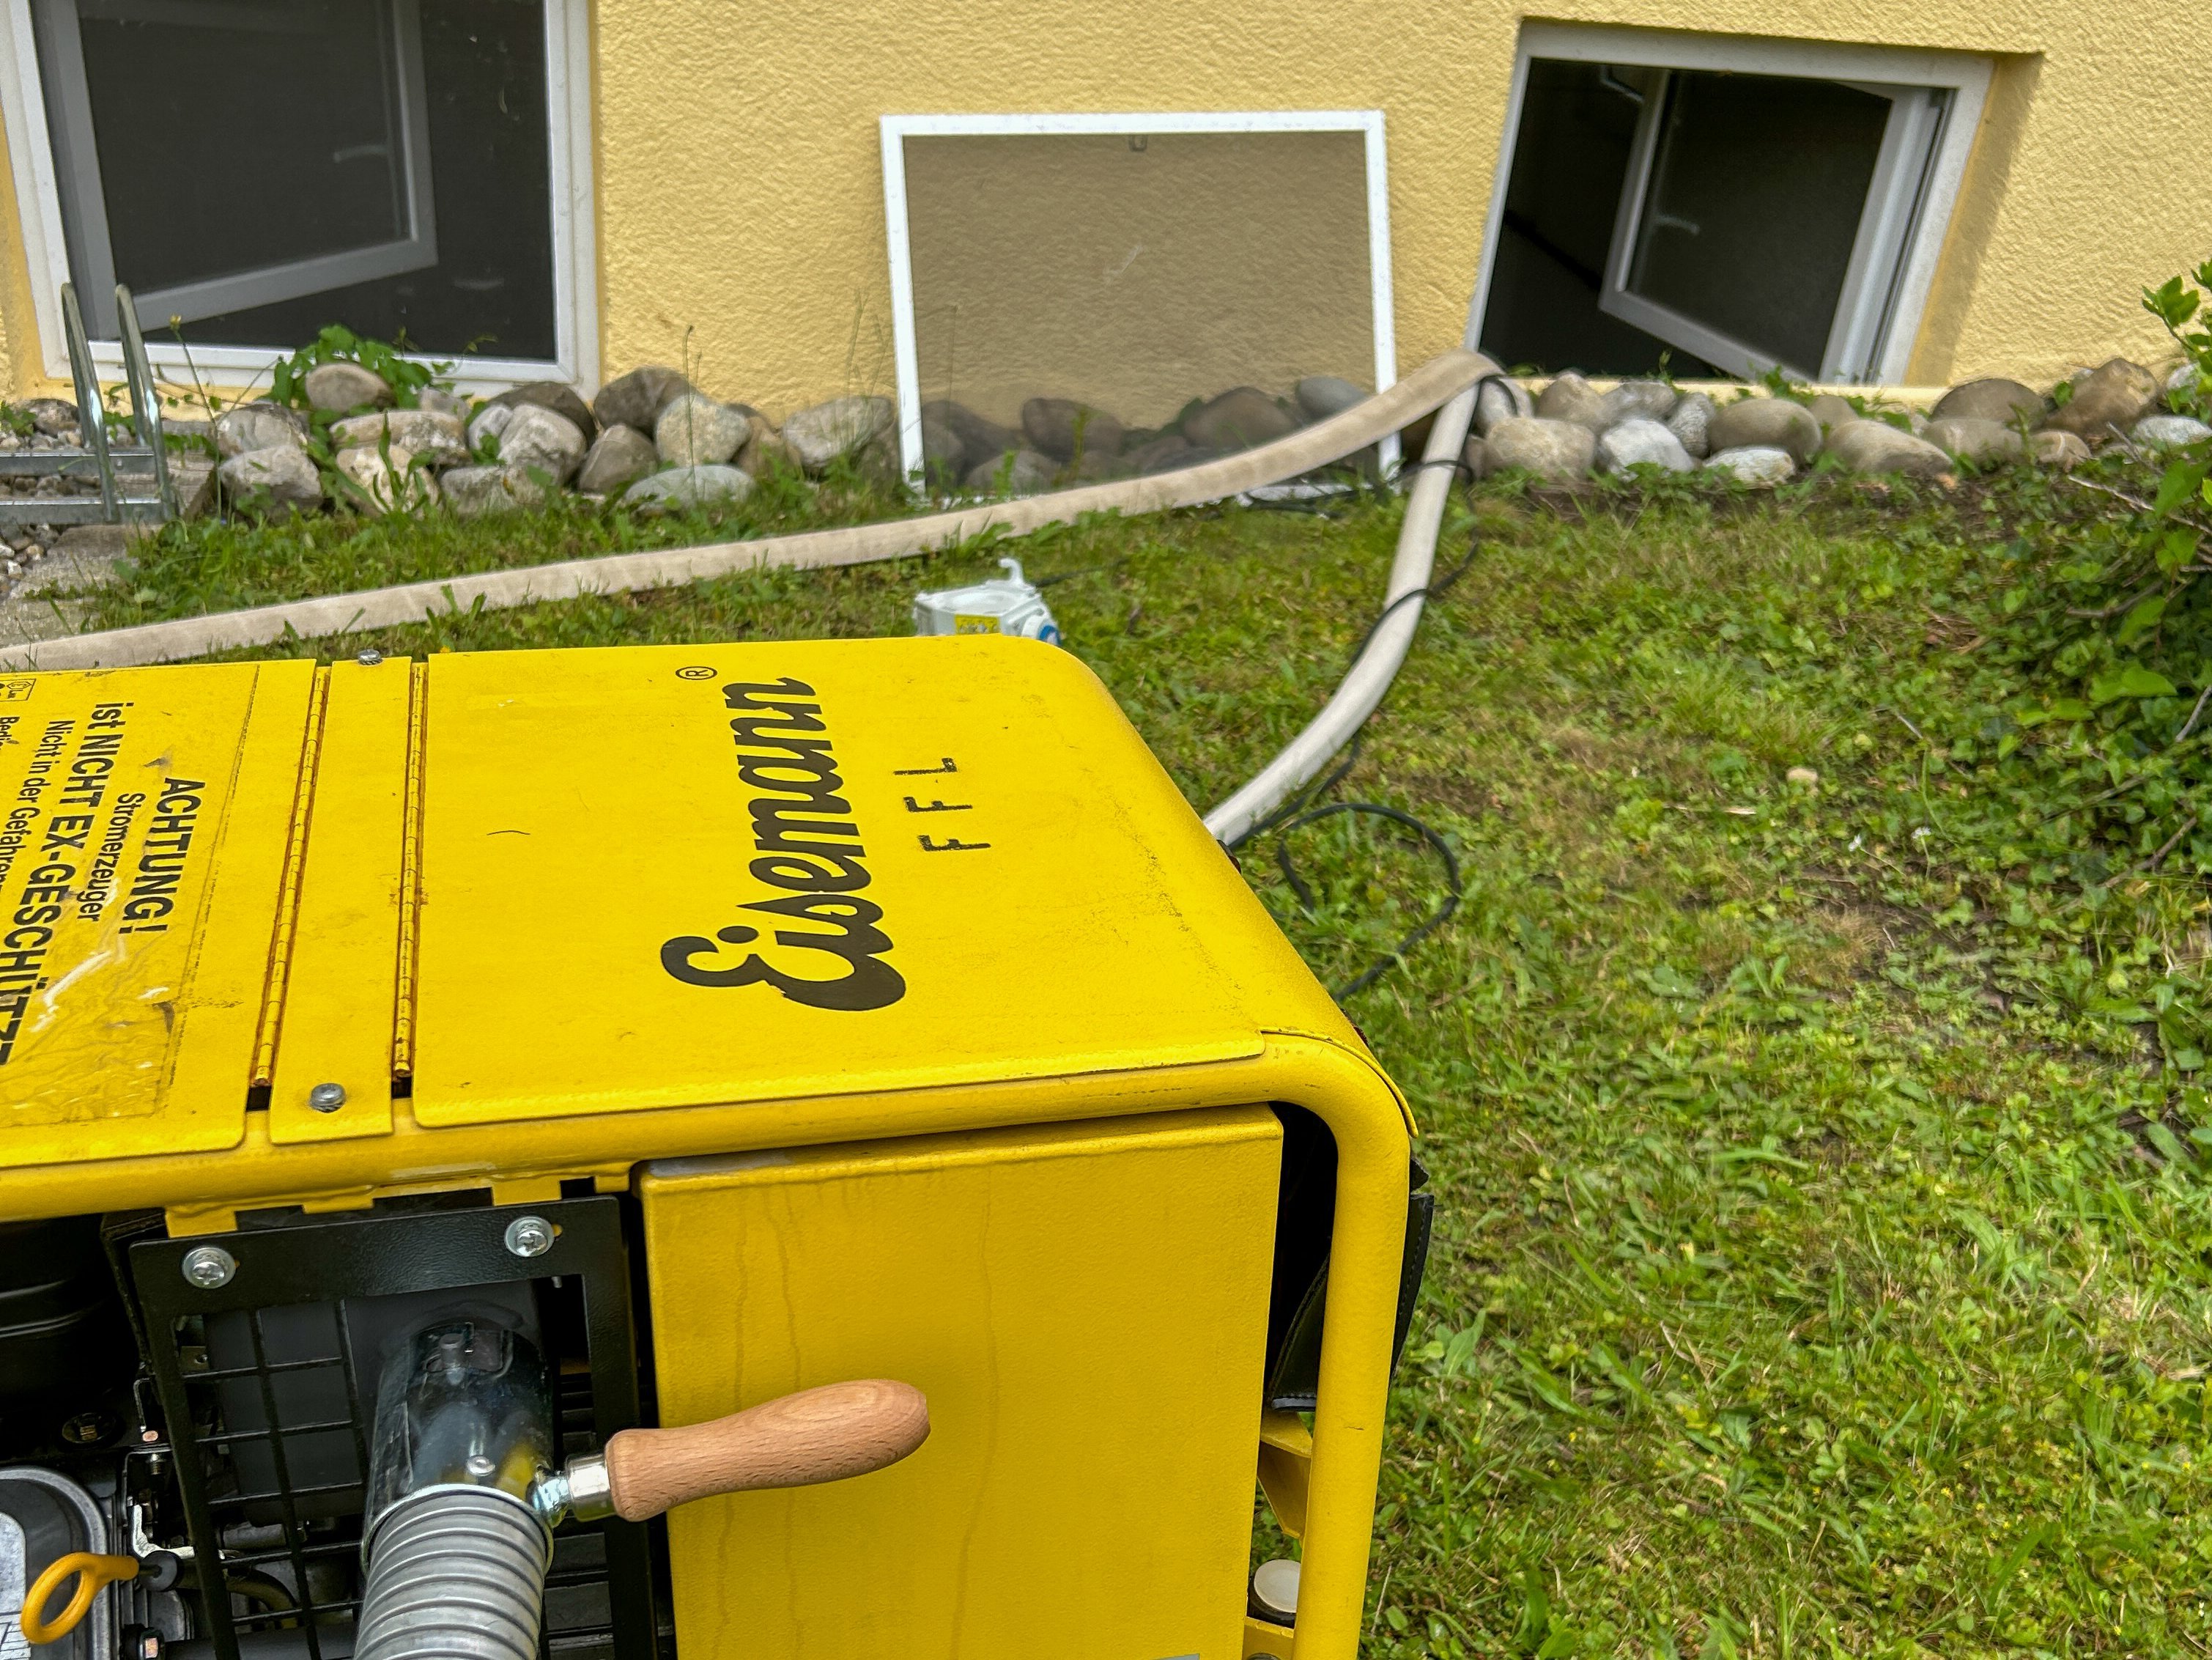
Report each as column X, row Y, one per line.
column 288, row 898
column 410, row 876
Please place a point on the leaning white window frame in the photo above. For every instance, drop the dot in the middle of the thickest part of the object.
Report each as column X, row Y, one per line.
column 897, row 128
column 1937, row 99
column 77, row 159
column 575, row 274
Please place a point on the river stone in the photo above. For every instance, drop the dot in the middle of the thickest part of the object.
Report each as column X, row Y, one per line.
column 695, row 430
column 708, row 484
column 637, row 399
column 1691, row 421
column 1501, row 399
column 256, row 427
column 2168, row 432
column 1053, row 426
column 2185, row 380
column 559, row 396
column 438, row 438
column 1553, row 450
column 1641, row 442
column 1985, row 442
column 489, row 422
column 1877, row 447
column 276, row 479
column 1570, row 398
column 334, row 388
column 1993, row 398
column 943, row 454
column 476, row 492
column 2109, row 398
column 767, row 450
column 821, row 434
column 618, row 456
column 1323, row 395
column 1638, row 400
column 1766, row 423
column 51, row 415
column 1760, row 466
column 1236, row 420
column 2062, row 450
column 538, row 437
column 192, row 477
column 1029, row 473
column 980, row 439
column 382, row 485
column 1831, row 410
column 438, row 401
column 1165, row 454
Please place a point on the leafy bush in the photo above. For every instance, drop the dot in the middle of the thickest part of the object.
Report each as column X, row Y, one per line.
column 337, row 343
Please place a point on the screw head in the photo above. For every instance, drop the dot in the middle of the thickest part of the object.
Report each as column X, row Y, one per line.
column 369, row 658
column 89, row 1429
column 327, row 1097
column 209, row 1266
column 481, row 1467
column 529, row 1236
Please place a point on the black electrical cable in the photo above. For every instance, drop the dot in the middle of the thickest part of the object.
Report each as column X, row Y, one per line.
column 1438, row 918
column 1301, row 810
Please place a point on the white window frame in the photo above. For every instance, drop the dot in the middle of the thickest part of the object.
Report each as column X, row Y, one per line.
column 1903, row 229
column 897, row 128
column 575, row 272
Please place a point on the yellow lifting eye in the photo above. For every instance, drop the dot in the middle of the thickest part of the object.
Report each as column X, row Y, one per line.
column 96, row 1571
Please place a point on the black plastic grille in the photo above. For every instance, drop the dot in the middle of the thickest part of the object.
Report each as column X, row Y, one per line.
column 270, row 1405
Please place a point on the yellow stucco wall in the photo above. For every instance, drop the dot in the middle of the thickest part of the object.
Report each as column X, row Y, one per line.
column 739, row 186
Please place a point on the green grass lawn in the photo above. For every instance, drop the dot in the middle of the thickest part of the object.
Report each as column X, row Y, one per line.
column 1821, row 1261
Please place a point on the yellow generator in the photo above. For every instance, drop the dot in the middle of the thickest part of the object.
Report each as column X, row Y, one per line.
column 771, row 1152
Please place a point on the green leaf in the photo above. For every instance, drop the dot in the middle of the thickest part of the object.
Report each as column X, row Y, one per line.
column 2172, row 302
column 2069, row 708
column 1667, row 981
column 2188, row 1060
column 2181, row 480
column 2132, row 680
column 2142, row 618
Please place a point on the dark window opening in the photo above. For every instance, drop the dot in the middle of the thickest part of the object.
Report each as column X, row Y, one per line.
column 1720, row 223
column 263, row 167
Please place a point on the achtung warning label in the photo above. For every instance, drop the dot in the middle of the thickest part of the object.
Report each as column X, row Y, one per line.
column 108, row 806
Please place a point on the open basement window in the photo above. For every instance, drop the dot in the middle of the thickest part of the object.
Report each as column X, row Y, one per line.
column 1715, row 207
column 254, row 169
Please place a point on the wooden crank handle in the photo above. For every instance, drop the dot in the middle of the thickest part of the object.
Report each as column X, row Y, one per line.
column 822, row 1434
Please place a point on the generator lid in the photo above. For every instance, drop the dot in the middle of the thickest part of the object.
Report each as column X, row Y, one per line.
column 538, row 884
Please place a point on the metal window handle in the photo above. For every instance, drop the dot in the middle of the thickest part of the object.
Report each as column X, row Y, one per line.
column 824, row 1434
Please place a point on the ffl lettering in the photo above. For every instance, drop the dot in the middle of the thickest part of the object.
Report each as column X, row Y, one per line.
column 810, row 848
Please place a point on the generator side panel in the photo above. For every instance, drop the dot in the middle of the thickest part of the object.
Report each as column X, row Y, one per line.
column 1085, row 1307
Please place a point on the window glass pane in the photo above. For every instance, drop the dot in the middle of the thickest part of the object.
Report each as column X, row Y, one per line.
column 491, row 291
column 1138, row 273
column 1753, row 206
column 1571, row 162
column 238, row 134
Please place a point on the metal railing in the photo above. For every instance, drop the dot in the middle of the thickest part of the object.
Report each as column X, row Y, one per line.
column 119, row 467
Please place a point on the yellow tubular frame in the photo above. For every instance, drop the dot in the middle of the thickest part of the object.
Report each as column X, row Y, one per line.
column 203, row 1191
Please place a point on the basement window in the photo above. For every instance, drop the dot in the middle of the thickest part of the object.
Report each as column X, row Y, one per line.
column 1724, row 208
column 254, row 169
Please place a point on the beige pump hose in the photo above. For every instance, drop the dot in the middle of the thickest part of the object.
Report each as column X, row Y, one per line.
column 1447, row 381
